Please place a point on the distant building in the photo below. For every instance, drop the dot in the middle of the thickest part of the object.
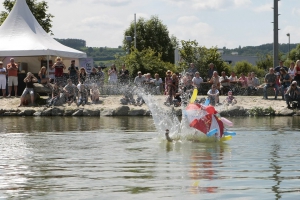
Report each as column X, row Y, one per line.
column 232, row 59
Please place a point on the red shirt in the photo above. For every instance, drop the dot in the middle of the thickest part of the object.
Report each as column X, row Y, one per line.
column 59, row 70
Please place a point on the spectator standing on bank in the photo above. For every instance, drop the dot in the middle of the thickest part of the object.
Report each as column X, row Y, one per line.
column 3, row 79
column 73, row 72
column 192, row 69
column 197, row 80
column 112, row 75
column 297, row 72
column 70, row 91
column 277, row 69
column 124, row 75
column 285, row 81
column 291, row 70
column 59, row 67
column 210, row 71
column 12, row 73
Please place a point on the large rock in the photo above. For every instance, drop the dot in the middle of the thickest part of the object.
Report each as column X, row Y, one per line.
column 121, row 111
column 78, row 112
column 87, row 112
column 137, row 112
column 286, row 112
column 28, row 112
column 107, row 112
column 234, row 111
column 40, row 88
column 53, row 112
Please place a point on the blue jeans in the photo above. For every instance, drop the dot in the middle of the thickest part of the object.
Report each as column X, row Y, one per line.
column 273, row 86
column 283, row 88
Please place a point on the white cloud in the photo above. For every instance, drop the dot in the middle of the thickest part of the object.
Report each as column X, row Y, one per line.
column 212, row 4
column 102, row 20
column 112, row 3
column 239, row 3
column 264, row 8
column 296, row 11
column 187, row 19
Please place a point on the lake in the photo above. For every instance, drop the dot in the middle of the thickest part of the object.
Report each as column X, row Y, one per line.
column 126, row 158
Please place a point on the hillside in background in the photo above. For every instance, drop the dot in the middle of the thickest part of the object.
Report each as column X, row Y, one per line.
column 106, row 55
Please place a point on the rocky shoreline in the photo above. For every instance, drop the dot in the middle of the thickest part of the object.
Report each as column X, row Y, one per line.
column 110, row 106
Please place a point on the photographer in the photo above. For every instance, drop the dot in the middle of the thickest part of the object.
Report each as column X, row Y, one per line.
column 28, row 80
column 292, row 94
column 73, row 72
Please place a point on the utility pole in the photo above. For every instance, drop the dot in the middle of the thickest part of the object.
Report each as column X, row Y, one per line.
column 134, row 30
column 289, row 35
column 275, row 41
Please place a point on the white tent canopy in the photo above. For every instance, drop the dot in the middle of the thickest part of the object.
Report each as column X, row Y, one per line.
column 22, row 35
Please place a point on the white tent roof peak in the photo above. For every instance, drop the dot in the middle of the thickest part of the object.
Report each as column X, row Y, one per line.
column 22, row 35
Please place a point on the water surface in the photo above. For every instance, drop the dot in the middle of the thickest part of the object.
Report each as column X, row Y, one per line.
column 125, row 158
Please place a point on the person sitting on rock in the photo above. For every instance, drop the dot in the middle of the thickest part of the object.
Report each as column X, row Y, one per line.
column 83, row 95
column 94, row 93
column 70, row 92
column 213, row 95
column 28, row 80
column 292, row 94
column 128, row 96
column 230, row 99
column 55, row 95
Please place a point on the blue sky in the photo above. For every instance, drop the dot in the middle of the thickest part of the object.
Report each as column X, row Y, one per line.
column 221, row 23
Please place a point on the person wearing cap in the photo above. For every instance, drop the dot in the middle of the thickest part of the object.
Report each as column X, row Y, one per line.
column 270, row 80
column 3, row 79
column 12, row 73
column 292, row 94
column 139, row 80
column 73, row 72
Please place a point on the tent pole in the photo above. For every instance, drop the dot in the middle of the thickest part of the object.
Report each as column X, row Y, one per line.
column 48, row 67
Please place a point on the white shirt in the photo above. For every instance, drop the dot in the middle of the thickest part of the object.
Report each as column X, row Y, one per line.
column 3, row 75
column 157, row 82
column 197, row 80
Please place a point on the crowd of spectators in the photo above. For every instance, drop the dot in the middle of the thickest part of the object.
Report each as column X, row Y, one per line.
column 78, row 86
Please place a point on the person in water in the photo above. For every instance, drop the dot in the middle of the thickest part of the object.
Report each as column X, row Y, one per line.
column 167, row 136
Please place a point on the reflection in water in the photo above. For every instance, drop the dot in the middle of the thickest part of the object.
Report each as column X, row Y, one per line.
column 277, row 170
column 205, row 161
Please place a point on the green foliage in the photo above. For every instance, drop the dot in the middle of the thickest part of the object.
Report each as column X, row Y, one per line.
column 263, row 49
column 152, row 34
column 295, row 53
column 265, row 62
column 258, row 111
column 190, row 52
column 38, row 9
column 146, row 61
column 246, row 67
column 73, row 43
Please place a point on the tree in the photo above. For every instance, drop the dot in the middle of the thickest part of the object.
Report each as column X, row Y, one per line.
column 190, row 52
column 152, row 34
column 246, row 67
column 38, row 9
column 146, row 61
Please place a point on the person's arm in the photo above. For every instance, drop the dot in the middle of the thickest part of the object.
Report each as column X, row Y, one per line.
column 33, row 78
column 53, row 66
